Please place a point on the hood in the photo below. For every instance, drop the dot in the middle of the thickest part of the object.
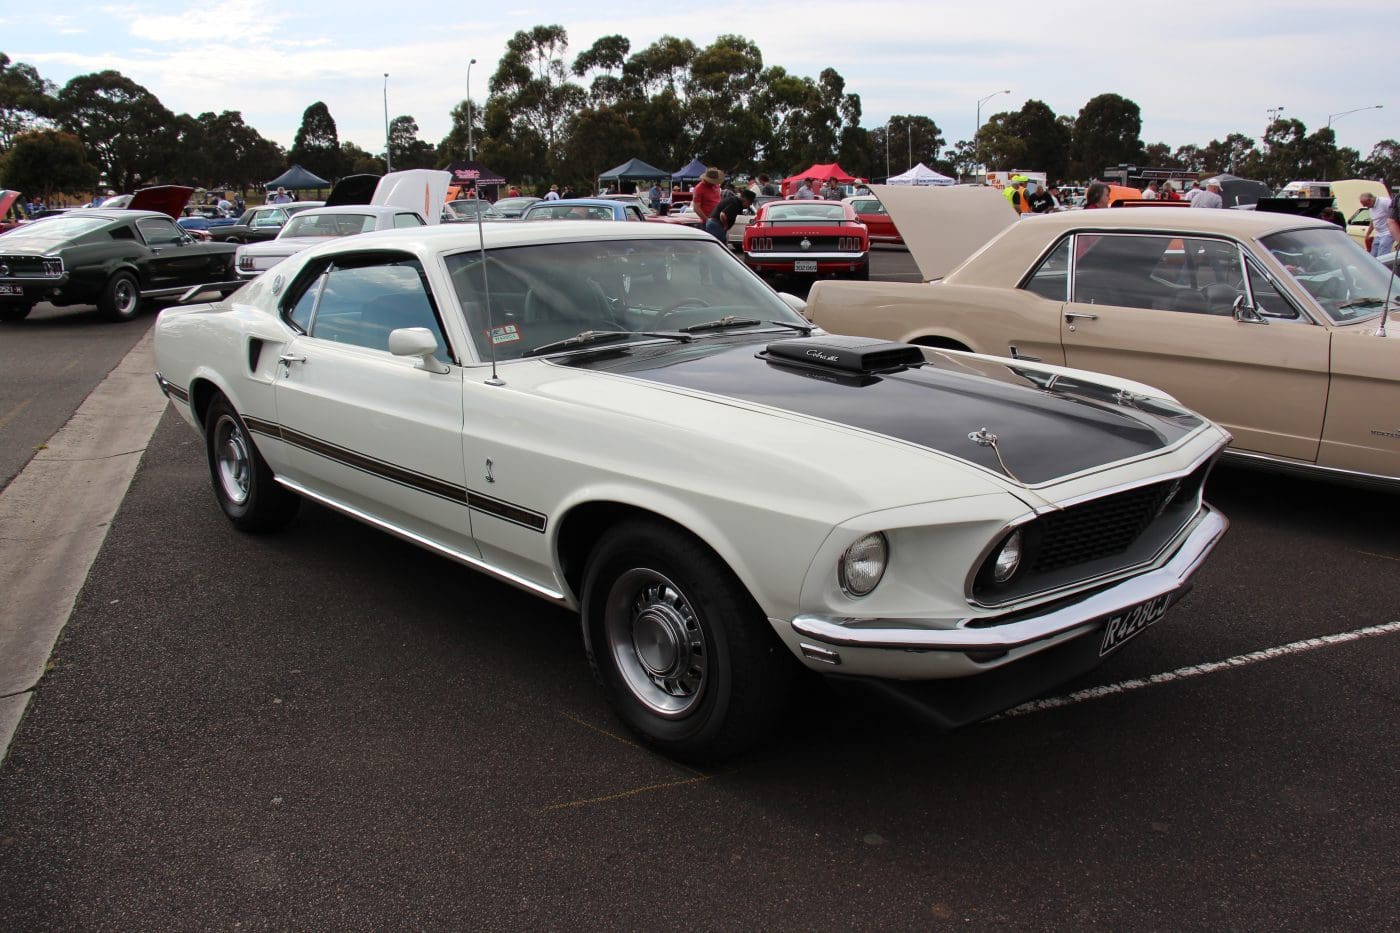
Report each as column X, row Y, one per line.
column 7, row 201
column 1348, row 191
column 1025, row 425
column 166, row 199
column 352, row 189
column 418, row 189
column 943, row 226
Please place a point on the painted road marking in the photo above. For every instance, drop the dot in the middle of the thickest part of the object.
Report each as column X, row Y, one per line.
column 1196, row 670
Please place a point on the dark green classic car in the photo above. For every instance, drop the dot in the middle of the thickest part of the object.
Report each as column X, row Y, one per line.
column 115, row 259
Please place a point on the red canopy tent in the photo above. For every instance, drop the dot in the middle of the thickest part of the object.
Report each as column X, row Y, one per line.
column 817, row 172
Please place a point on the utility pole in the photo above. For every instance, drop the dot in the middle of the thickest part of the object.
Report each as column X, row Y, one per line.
column 388, row 157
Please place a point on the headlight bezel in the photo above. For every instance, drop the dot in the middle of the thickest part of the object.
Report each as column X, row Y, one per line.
column 854, row 585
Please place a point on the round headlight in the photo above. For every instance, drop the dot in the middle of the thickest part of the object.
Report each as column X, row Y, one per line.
column 1008, row 558
column 863, row 564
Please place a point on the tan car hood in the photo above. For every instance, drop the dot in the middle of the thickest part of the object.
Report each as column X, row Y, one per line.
column 942, row 226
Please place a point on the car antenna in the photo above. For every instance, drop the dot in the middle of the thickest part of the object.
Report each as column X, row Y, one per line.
column 1385, row 308
column 495, row 380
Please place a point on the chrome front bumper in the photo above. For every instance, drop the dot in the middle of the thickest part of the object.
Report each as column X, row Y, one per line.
column 915, row 649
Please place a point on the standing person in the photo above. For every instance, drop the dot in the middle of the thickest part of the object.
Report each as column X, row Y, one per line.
column 239, row 205
column 552, row 194
column 1041, row 201
column 766, row 187
column 1016, row 194
column 1209, row 197
column 1194, row 193
column 804, row 191
column 281, row 197
column 654, row 196
column 1169, row 192
column 725, row 213
column 1096, row 196
column 1381, row 240
column 567, row 193
column 705, row 196
column 1392, row 219
column 224, row 205
column 1150, row 193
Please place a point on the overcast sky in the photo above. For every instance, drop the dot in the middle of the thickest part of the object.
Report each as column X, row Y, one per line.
column 1198, row 70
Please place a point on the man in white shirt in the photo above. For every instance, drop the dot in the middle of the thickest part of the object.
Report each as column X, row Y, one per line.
column 1381, row 240
column 1209, row 197
column 804, row 192
column 1194, row 192
column 1150, row 192
column 553, row 194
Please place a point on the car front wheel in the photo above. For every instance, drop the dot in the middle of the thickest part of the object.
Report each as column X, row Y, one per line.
column 121, row 297
column 243, row 482
column 684, row 654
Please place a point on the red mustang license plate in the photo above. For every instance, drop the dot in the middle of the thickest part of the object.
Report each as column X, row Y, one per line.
column 1124, row 625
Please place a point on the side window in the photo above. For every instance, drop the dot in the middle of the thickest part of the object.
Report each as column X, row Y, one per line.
column 364, row 298
column 1131, row 271
column 303, row 309
column 634, row 213
column 1268, row 300
column 1051, row 277
column 407, row 220
column 159, row 231
column 269, row 218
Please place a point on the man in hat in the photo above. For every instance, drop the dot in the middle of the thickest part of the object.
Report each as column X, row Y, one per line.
column 1209, row 197
column 1016, row 194
column 704, row 197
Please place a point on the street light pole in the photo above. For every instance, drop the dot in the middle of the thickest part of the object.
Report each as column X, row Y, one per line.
column 889, row 125
column 978, row 125
column 388, row 158
column 1338, row 116
column 470, row 156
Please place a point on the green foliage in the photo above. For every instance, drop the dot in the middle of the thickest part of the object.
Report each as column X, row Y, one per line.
column 26, row 100
column 47, row 162
column 129, row 134
column 406, row 149
column 1106, row 133
column 1383, row 163
column 359, row 162
column 317, row 144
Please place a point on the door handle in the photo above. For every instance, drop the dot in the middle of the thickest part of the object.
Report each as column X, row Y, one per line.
column 1072, row 316
column 287, row 359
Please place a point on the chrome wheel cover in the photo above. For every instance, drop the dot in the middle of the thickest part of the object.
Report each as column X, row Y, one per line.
column 657, row 642
column 124, row 297
column 233, row 460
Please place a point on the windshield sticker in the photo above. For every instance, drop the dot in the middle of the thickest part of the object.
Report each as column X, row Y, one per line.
column 506, row 333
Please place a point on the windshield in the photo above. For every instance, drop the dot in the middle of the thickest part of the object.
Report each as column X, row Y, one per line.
column 327, row 225
column 470, row 208
column 552, row 291
column 807, row 211
column 1346, row 282
column 568, row 210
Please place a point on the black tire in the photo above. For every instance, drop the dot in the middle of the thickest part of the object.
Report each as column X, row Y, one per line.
column 243, row 483
column 10, row 313
column 684, row 654
column 121, row 297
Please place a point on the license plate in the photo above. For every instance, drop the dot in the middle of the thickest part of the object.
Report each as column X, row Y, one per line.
column 1123, row 626
column 11, row 290
column 804, row 265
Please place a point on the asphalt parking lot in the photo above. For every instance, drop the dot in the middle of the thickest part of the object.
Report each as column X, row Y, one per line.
column 329, row 728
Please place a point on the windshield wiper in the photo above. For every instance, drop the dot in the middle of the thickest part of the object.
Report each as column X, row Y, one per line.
column 602, row 336
column 1369, row 301
column 730, row 320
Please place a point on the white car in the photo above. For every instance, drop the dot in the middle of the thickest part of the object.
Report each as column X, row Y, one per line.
column 623, row 420
column 357, row 204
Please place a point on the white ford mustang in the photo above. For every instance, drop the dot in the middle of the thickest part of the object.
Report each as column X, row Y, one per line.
column 625, row 421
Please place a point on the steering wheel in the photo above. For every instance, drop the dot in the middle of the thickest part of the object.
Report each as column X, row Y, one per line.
column 686, row 303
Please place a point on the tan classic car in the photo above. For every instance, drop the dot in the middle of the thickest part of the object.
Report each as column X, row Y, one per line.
column 1271, row 324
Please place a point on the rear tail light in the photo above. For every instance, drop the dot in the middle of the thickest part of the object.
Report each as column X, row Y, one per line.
column 761, row 243
column 850, row 244
column 245, row 262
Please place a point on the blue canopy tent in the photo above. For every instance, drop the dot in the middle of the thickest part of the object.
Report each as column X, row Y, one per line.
column 633, row 170
column 297, row 178
column 691, row 173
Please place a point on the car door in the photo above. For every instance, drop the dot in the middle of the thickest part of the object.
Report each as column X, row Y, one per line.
column 1362, row 433
column 173, row 260
column 367, row 429
column 266, row 224
column 1159, row 309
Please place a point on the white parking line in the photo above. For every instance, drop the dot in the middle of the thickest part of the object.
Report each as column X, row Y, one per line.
column 1196, row 670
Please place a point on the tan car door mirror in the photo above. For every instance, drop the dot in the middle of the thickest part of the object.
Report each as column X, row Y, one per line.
column 1246, row 313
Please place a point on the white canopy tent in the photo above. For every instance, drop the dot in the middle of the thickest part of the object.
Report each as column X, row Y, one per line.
column 920, row 174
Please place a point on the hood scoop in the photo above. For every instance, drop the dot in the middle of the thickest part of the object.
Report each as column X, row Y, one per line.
column 854, row 356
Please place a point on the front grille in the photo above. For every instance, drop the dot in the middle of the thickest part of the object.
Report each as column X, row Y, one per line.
column 32, row 267
column 1097, row 538
column 1099, row 528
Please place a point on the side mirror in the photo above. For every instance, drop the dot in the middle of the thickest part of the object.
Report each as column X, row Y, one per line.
column 793, row 302
column 1246, row 313
column 419, row 342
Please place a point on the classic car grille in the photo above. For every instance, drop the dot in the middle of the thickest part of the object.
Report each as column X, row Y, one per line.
column 1096, row 538
column 31, row 267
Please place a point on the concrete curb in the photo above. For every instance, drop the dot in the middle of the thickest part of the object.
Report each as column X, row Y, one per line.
column 54, row 517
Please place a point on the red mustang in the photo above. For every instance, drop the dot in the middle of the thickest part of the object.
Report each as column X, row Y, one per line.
column 876, row 219
column 808, row 238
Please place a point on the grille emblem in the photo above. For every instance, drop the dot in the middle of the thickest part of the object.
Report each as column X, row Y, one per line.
column 806, row 243
column 4, row 269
